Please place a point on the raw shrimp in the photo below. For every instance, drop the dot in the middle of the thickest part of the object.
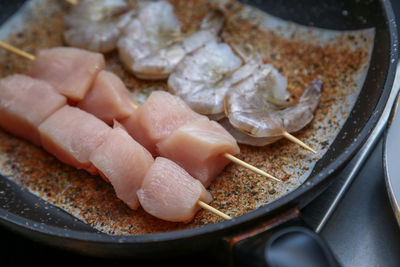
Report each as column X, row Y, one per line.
column 246, row 139
column 250, row 111
column 154, row 28
column 203, row 78
column 153, row 44
column 260, row 74
column 96, row 24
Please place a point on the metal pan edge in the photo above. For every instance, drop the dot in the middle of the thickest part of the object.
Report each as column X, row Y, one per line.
column 391, row 148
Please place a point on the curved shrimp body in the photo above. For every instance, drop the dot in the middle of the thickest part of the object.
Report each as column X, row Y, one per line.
column 202, row 79
column 155, row 27
column 246, row 139
column 251, row 112
column 162, row 63
column 96, row 24
column 151, row 48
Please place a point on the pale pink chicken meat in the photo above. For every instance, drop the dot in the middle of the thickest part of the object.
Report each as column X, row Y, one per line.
column 70, row 70
column 71, row 135
column 108, row 99
column 199, row 147
column 124, row 163
column 168, row 192
column 25, row 103
column 157, row 118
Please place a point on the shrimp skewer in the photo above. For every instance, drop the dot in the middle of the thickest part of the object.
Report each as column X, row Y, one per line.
column 226, row 155
column 250, row 112
column 152, row 47
column 203, row 79
column 273, row 90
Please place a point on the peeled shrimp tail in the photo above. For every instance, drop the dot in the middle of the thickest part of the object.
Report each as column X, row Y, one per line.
column 210, row 27
column 296, row 117
column 213, row 21
column 312, row 94
column 247, row 53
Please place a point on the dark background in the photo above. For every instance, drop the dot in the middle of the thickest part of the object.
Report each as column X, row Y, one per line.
column 362, row 231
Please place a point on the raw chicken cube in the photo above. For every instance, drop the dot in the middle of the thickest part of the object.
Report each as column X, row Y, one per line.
column 25, row 103
column 70, row 70
column 71, row 135
column 168, row 192
column 157, row 118
column 199, row 148
column 108, row 99
column 124, row 163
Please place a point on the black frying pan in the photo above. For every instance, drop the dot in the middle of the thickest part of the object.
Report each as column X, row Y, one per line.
column 247, row 236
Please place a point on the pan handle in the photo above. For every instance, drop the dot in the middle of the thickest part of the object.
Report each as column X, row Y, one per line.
column 287, row 244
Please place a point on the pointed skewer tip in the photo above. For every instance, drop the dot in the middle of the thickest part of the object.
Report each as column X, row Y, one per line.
column 213, row 210
column 298, row 141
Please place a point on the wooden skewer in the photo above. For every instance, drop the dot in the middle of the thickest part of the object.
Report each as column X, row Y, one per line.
column 213, row 210
column 229, row 156
column 250, row 167
column 298, row 141
column 17, row 51
column 72, row 2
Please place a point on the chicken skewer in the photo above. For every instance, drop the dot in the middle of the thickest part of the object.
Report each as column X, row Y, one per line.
column 34, row 110
column 160, row 123
column 166, row 126
column 226, row 155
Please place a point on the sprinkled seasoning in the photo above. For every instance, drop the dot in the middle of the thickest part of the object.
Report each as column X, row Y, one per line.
column 299, row 53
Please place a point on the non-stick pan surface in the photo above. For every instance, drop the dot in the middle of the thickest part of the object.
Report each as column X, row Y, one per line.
column 53, row 226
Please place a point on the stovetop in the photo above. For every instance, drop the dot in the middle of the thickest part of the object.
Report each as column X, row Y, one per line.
column 353, row 215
